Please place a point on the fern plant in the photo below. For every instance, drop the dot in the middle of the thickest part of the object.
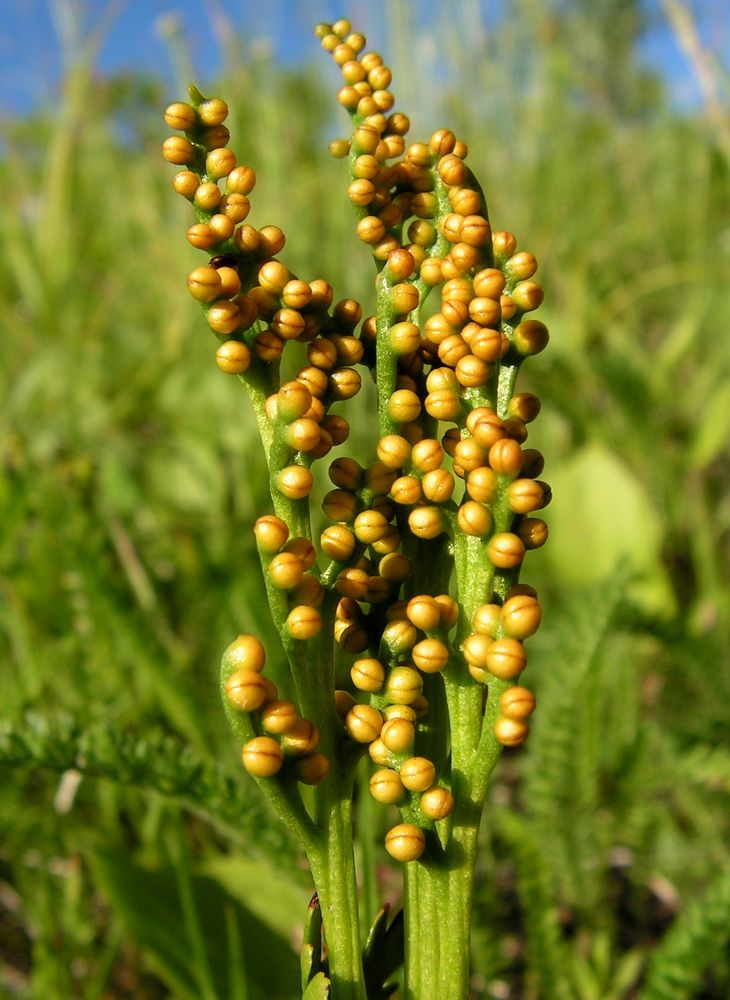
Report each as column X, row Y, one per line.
column 402, row 620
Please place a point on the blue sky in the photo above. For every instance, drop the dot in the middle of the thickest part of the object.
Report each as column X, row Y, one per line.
column 34, row 33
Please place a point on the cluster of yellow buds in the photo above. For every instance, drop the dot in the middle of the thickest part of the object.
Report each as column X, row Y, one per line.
column 285, row 735
column 250, row 299
column 449, row 468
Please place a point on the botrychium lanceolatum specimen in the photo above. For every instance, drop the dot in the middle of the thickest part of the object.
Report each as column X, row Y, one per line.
column 402, row 619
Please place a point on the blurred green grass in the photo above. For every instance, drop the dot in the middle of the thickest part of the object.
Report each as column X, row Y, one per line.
column 132, row 471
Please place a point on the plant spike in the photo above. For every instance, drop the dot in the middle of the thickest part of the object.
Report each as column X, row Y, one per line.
column 430, row 689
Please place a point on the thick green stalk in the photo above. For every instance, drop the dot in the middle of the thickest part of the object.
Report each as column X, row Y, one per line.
column 333, row 869
column 438, row 904
column 330, row 855
column 439, row 891
column 458, row 732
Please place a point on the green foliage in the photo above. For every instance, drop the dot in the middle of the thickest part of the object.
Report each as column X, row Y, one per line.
column 383, row 953
column 155, row 763
column 546, row 951
column 126, row 562
column 311, row 954
column 318, row 989
column 630, row 532
column 615, row 819
column 187, row 923
column 695, row 946
column 563, row 771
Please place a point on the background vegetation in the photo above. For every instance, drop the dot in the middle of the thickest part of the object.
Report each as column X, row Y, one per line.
column 136, row 859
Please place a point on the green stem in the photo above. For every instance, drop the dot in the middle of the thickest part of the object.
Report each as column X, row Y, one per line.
column 439, row 892
column 386, row 363
column 313, row 668
column 330, row 856
column 261, row 381
column 367, row 828
column 438, row 904
column 507, row 378
column 333, row 869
